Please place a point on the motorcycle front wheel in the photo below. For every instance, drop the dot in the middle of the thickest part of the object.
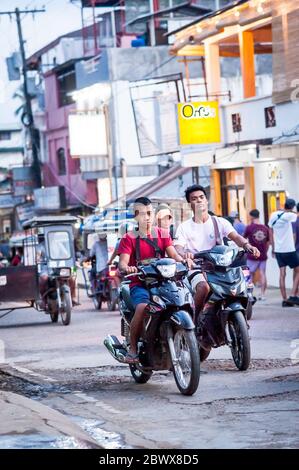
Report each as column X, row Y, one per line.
column 240, row 343
column 186, row 368
column 97, row 301
column 138, row 376
column 67, row 308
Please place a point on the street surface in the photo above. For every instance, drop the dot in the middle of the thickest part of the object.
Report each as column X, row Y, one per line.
column 69, row 369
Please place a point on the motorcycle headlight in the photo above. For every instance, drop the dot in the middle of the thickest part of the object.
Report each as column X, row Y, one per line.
column 167, row 271
column 65, row 272
column 223, row 260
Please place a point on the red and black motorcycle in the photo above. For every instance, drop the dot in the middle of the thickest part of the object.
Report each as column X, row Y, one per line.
column 103, row 287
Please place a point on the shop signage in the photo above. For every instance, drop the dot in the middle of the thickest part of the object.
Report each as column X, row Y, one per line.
column 23, row 180
column 7, row 201
column 274, row 175
column 49, row 199
column 199, row 123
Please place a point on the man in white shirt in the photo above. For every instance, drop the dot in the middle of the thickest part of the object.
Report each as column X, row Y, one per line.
column 284, row 250
column 199, row 234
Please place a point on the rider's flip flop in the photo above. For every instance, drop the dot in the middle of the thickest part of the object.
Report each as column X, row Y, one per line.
column 131, row 358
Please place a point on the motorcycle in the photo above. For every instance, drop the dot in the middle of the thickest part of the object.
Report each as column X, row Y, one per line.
column 223, row 319
column 58, row 295
column 168, row 340
column 103, row 288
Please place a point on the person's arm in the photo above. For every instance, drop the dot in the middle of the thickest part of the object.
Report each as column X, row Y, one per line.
column 172, row 252
column 243, row 243
column 113, row 256
column 124, row 264
column 181, row 244
column 271, row 240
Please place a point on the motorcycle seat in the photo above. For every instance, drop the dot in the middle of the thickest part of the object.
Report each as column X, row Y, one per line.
column 126, row 295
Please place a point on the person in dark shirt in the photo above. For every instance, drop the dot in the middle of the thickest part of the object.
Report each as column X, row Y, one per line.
column 258, row 235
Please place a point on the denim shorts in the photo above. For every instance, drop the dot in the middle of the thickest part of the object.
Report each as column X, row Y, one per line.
column 139, row 295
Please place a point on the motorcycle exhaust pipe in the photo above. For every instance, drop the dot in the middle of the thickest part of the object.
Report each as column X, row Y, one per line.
column 115, row 348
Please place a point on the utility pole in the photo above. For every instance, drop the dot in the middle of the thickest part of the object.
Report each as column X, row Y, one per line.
column 28, row 107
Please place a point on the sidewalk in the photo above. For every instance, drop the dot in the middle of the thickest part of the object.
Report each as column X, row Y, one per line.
column 26, row 423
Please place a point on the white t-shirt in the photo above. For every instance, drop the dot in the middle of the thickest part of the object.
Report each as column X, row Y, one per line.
column 196, row 237
column 283, row 231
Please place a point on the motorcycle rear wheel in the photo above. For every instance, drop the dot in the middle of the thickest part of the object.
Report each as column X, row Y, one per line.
column 187, row 371
column 240, row 347
column 111, row 304
column 138, row 376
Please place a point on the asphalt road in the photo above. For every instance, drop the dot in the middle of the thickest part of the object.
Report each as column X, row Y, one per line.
column 231, row 409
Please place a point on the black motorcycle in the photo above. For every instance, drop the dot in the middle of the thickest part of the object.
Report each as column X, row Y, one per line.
column 168, row 341
column 223, row 319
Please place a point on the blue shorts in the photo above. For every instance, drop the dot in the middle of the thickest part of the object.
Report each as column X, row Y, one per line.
column 139, row 295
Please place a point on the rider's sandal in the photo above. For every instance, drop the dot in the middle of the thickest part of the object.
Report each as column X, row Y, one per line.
column 131, row 358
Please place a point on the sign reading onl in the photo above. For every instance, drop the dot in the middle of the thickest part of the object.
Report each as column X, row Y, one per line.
column 199, row 123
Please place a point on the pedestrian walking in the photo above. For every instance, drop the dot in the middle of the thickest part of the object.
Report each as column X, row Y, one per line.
column 258, row 235
column 296, row 235
column 283, row 249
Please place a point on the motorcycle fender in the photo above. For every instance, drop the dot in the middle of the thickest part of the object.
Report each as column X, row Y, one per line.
column 182, row 319
column 65, row 288
column 234, row 307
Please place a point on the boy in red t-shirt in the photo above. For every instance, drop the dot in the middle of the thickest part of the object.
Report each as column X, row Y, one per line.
column 144, row 215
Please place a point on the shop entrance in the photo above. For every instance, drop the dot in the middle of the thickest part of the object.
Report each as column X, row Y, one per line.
column 273, row 201
column 233, row 192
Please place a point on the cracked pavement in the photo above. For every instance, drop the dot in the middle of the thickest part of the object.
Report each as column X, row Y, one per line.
column 75, row 375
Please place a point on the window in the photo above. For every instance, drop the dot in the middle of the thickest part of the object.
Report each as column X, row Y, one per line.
column 66, row 84
column 61, row 161
column 270, row 118
column 59, row 245
column 5, row 135
column 236, row 122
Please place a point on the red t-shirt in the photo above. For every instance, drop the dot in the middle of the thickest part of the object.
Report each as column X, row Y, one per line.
column 128, row 246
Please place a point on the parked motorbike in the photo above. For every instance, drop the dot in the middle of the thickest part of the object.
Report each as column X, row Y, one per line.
column 168, row 340
column 223, row 320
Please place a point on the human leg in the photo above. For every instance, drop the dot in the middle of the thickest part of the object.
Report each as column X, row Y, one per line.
column 282, row 282
column 140, row 298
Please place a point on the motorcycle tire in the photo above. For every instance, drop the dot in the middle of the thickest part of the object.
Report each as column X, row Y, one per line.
column 111, row 303
column 185, row 339
column 204, row 354
column 97, row 302
column 240, row 347
column 249, row 310
column 67, row 309
column 138, row 376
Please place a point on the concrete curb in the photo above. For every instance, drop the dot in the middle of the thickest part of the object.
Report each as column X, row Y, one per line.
column 23, row 419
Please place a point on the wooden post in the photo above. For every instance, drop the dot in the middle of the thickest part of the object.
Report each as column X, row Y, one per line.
column 213, row 73
column 246, row 44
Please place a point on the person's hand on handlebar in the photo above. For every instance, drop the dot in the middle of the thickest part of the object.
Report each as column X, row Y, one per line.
column 130, row 269
column 188, row 255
